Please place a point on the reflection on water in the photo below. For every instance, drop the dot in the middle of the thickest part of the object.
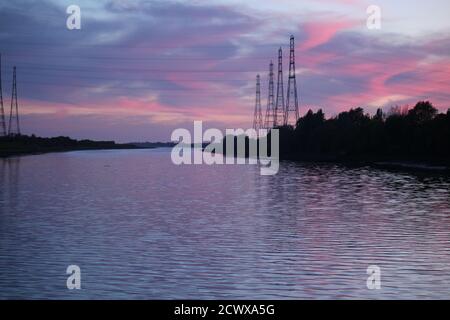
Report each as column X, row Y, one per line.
column 140, row 227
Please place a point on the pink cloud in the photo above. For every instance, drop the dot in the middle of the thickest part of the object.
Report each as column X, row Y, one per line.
column 428, row 81
column 320, row 32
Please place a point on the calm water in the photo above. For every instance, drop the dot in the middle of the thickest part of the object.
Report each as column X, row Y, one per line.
column 140, row 227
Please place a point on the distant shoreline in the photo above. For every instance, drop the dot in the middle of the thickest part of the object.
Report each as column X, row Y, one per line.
column 52, row 150
column 29, row 145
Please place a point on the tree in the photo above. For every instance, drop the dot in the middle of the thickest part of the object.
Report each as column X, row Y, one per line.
column 422, row 112
column 379, row 116
column 404, row 133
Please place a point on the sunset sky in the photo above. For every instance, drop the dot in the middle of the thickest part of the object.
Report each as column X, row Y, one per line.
column 139, row 69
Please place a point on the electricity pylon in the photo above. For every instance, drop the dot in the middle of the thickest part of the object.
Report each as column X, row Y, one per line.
column 14, row 113
column 2, row 110
column 279, row 113
column 257, row 118
column 269, row 118
column 292, row 114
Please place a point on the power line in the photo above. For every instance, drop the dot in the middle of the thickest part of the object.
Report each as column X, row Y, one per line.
column 184, row 91
column 137, row 46
column 72, row 73
column 139, row 79
column 171, row 58
column 324, row 65
column 91, row 69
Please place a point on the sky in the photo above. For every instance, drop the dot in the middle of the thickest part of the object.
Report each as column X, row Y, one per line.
column 137, row 70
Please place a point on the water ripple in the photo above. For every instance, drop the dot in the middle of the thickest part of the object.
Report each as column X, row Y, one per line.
column 141, row 227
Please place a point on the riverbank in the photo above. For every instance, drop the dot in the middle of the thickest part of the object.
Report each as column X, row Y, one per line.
column 23, row 145
column 398, row 162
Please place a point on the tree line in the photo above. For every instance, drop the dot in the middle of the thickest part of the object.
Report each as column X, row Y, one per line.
column 418, row 133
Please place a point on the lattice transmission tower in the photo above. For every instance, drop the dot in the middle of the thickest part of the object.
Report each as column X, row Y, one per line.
column 292, row 113
column 269, row 118
column 279, row 112
column 14, row 127
column 257, row 118
column 2, row 109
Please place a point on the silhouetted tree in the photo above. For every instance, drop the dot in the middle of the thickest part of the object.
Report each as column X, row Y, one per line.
column 403, row 133
column 379, row 115
column 422, row 112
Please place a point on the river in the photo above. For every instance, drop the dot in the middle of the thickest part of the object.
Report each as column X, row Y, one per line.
column 141, row 227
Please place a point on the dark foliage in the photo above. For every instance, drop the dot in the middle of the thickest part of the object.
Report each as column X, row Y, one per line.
column 22, row 144
column 401, row 134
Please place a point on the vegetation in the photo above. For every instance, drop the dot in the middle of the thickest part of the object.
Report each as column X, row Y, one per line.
column 22, row 144
column 417, row 134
